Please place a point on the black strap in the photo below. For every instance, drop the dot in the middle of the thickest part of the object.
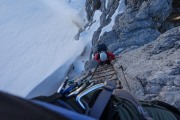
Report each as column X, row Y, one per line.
column 50, row 98
column 129, row 97
column 102, row 100
column 171, row 108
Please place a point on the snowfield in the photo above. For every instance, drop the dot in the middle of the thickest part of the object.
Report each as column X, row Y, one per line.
column 37, row 45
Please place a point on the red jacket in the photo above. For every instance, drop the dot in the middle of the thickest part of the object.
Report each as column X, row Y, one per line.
column 110, row 55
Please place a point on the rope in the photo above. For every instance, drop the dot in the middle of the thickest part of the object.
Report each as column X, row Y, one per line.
column 124, row 75
column 94, row 71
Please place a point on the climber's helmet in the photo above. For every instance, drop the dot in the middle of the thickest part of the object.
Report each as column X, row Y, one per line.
column 103, row 56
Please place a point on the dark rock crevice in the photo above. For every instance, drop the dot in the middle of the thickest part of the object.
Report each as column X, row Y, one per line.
column 173, row 20
column 158, row 73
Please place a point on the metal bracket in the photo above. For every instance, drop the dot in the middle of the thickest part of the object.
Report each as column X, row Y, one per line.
column 78, row 98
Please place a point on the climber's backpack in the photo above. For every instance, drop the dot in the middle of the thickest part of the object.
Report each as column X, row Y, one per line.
column 123, row 106
column 101, row 104
column 101, row 47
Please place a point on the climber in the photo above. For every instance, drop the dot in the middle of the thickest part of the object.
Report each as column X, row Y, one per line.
column 103, row 56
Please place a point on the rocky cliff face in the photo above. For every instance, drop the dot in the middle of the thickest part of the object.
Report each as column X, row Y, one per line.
column 153, row 70
column 148, row 35
column 136, row 26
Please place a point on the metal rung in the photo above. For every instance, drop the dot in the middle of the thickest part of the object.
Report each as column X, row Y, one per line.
column 108, row 70
column 104, row 76
column 102, row 68
column 108, row 80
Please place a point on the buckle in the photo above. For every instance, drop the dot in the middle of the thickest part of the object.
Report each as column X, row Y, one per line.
column 88, row 90
column 110, row 85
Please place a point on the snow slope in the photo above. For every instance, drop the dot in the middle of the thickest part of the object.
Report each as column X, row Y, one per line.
column 37, row 39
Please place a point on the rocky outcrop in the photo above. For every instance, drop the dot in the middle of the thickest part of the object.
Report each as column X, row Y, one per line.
column 90, row 64
column 136, row 26
column 139, row 24
column 173, row 19
column 153, row 71
column 146, row 38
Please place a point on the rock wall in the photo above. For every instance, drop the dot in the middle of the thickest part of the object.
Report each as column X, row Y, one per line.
column 136, row 26
column 148, row 34
column 139, row 24
column 153, row 71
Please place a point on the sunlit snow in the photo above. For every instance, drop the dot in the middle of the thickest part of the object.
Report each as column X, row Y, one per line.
column 37, row 39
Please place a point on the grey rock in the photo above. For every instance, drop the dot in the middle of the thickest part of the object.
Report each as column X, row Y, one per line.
column 95, row 37
column 90, row 64
column 177, row 81
column 167, row 41
column 177, row 45
column 108, row 38
column 152, row 71
column 151, row 97
column 170, row 63
column 139, row 38
column 135, row 27
column 175, row 71
column 155, row 10
column 163, row 79
column 152, row 89
column 178, row 62
column 133, row 4
column 114, row 46
column 170, row 94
